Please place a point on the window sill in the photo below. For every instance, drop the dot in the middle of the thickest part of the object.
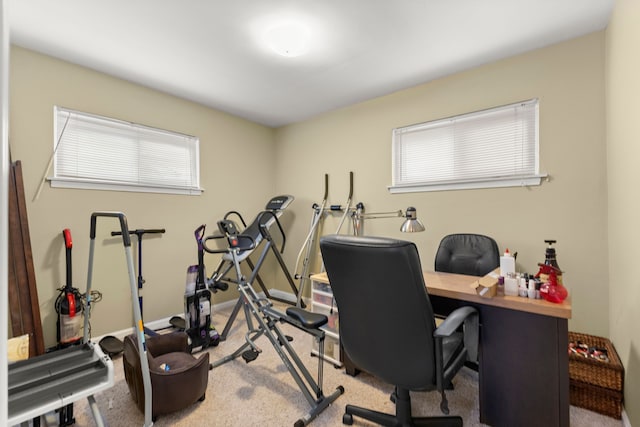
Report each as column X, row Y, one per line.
column 525, row 181
column 116, row 186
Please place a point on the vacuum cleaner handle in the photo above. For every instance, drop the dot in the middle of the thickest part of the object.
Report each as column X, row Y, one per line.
column 199, row 233
column 68, row 289
column 68, row 244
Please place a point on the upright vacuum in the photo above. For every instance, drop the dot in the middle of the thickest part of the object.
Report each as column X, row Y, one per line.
column 69, row 304
column 197, row 302
column 69, row 307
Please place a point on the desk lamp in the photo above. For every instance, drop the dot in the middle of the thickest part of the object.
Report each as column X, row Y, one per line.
column 411, row 225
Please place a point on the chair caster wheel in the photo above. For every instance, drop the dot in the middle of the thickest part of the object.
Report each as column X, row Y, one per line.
column 347, row 419
column 298, row 423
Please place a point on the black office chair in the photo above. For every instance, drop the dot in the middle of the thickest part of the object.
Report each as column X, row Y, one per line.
column 387, row 326
column 473, row 254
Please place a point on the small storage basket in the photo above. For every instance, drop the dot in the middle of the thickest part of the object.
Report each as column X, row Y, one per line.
column 595, row 384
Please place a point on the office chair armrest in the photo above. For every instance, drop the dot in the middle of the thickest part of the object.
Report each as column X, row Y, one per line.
column 453, row 321
column 470, row 318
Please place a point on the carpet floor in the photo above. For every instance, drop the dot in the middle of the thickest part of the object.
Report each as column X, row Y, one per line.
column 264, row 393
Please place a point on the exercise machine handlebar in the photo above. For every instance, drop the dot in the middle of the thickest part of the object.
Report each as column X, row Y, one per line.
column 264, row 227
column 140, row 231
column 236, row 213
column 230, row 232
column 126, row 240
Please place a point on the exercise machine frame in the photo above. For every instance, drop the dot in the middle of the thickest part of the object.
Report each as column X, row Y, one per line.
column 54, row 380
column 261, row 224
column 309, row 244
column 267, row 317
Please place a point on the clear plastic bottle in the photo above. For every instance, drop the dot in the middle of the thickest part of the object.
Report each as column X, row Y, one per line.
column 507, row 264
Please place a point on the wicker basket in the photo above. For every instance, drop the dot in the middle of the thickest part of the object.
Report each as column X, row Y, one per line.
column 598, row 399
column 596, row 385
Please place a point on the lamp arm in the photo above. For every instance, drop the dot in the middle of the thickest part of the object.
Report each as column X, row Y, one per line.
column 374, row 215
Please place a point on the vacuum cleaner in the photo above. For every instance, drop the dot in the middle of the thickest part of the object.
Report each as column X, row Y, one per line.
column 197, row 303
column 70, row 308
column 69, row 304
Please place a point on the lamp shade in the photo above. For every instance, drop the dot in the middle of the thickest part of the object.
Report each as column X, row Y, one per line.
column 412, row 224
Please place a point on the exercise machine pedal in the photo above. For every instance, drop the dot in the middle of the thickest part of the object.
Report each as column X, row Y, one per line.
column 250, row 355
column 178, row 323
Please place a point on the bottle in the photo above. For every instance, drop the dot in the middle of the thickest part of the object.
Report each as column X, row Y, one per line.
column 531, row 291
column 507, row 264
column 522, row 286
column 511, row 285
column 550, row 259
column 552, row 291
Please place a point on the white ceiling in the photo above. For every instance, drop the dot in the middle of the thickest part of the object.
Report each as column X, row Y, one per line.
column 210, row 51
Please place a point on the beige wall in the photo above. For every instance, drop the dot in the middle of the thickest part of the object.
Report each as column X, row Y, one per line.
column 623, row 152
column 568, row 79
column 236, row 173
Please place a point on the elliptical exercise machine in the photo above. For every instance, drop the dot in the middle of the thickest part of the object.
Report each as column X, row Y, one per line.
column 267, row 317
column 309, row 245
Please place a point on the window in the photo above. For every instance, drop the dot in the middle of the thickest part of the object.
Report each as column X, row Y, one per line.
column 490, row 148
column 101, row 153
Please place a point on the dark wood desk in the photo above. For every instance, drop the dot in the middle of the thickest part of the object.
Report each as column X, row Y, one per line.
column 524, row 363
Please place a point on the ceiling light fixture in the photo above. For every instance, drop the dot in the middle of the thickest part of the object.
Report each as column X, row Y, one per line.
column 288, row 39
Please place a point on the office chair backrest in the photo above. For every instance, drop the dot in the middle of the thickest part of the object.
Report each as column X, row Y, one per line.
column 386, row 318
column 473, row 254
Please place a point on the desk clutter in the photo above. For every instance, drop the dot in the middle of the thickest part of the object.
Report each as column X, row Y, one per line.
column 545, row 284
column 595, row 375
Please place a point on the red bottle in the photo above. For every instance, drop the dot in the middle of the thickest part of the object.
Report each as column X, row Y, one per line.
column 552, row 291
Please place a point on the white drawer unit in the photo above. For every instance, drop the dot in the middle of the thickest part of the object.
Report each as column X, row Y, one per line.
column 322, row 302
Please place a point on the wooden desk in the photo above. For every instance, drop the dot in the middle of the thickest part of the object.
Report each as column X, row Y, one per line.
column 524, row 362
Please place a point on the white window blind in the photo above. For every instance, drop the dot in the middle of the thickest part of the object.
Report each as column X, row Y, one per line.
column 490, row 148
column 101, row 153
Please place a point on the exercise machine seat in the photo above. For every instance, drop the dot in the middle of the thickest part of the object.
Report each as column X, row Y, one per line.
column 465, row 253
column 387, row 324
column 184, row 383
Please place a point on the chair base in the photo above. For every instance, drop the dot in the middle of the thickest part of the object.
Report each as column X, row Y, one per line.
column 402, row 417
column 390, row 420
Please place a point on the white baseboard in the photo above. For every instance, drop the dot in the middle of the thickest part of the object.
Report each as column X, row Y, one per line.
column 156, row 325
column 283, row 295
column 625, row 419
